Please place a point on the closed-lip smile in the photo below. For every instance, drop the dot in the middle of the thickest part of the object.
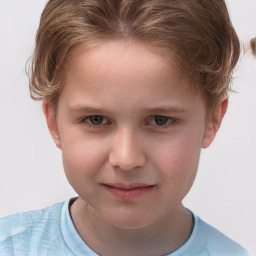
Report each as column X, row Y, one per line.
column 129, row 191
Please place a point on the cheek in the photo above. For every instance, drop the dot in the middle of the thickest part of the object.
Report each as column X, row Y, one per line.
column 180, row 156
column 82, row 162
column 82, row 156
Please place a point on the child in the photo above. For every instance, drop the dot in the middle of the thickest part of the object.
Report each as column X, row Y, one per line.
column 131, row 90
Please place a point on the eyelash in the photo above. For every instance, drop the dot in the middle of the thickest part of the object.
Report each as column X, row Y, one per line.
column 88, row 121
column 170, row 121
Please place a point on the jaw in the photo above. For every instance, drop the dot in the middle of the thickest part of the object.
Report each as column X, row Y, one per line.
column 165, row 235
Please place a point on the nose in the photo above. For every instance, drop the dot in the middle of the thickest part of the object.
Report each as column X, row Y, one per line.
column 126, row 151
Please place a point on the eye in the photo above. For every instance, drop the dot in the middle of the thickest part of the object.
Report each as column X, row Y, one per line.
column 95, row 120
column 160, row 120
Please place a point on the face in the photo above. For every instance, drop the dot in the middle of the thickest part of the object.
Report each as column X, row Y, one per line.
column 130, row 130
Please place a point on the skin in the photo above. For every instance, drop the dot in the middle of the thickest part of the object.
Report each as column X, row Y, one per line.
column 127, row 118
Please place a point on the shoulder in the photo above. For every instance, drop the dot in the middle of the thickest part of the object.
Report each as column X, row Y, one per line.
column 21, row 222
column 218, row 243
column 22, row 230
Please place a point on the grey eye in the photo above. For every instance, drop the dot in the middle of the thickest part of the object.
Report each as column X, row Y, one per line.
column 96, row 120
column 161, row 120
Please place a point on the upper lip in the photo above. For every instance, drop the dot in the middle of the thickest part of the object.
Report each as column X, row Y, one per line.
column 128, row 186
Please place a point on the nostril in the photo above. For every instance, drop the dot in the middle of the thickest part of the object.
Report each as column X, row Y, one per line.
column 126, row 152
column 127, row 161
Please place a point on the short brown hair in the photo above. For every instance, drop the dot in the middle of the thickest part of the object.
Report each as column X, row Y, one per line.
column 198, row 34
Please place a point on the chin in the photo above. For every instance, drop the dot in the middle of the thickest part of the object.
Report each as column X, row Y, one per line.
column 124, row 219
column 132, row 224
column 129, row 220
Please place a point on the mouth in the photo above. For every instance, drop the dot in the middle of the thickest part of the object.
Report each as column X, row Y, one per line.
column 129, row 191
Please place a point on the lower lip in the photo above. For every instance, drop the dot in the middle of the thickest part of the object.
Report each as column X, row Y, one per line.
column 129, row 194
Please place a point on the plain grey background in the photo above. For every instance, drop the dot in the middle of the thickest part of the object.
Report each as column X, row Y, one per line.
column 31, row 174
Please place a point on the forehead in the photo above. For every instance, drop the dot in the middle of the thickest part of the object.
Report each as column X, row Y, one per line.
column 124, row 73
column 120, row 53
column 129, row 60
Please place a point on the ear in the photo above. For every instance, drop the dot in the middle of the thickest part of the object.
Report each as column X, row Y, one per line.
column 50, row 115
column 213, row 123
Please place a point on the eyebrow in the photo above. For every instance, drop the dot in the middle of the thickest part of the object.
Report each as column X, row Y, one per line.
column 156, row 110
column 87, row 109
column 166, row 109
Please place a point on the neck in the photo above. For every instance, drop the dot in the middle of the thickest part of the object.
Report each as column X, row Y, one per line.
column 161, row 237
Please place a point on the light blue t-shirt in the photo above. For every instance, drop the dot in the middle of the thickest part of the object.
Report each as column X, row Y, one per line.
column 50, row 232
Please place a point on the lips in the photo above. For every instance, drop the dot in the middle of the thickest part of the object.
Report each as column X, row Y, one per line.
column 129, row 191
